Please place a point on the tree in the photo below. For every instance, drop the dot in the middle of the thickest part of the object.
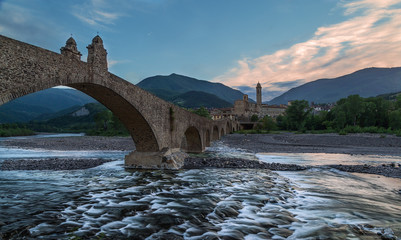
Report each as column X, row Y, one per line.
column 202, row 111
column 267, row 123
column 254, row 118
column 297, row 114
column 395, row 119
column 355, row 108
column 103, row 119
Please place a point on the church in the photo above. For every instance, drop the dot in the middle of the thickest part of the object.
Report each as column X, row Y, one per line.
column 243, row 109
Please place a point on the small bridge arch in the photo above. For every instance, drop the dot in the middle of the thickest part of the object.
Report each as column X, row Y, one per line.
column 191, row 141
column 207, row 138
column 215, row 133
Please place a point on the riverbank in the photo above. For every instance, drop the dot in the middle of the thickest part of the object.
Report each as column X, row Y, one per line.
column 363, row 144
column 79, row 143
column 359, row 143
column 55, row 164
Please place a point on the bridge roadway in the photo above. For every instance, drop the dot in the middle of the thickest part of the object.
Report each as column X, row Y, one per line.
column 161, row 131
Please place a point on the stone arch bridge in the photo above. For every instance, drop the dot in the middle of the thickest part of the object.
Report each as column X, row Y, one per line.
column 160, row 130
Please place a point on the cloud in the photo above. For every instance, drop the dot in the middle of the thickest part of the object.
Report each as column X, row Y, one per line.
column 100, row 13
column 26, row 25
column 288, row 84
column 370, row 37
column 105, row 13
column 112, row 63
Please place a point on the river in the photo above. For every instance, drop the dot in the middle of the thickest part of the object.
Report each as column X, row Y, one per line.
column 108, row 202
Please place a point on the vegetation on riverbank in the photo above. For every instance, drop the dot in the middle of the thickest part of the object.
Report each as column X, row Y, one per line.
column 353, row 114
column 12, row 130
column 98, row 122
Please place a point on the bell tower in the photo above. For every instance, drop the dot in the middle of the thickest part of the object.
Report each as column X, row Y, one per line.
column 70, row 50
column 259, row 94
column 97, row 55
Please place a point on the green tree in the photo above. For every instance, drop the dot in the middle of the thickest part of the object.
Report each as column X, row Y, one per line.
column 202, row 111
column 103, row 119
column 355, row 108
column 297, row 113
column 254, row 118
column 395, row 120
column 397, row 103
column 267, row 123
column 281, row 122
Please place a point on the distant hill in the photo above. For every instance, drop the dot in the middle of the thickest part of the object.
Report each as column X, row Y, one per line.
column 46, row 102
column 194, row 99
column 67, row 119
column 169, row 87
column 390, row 96
column 367, row 82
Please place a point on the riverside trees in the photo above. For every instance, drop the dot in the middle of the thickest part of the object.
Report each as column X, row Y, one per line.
column 351, row 114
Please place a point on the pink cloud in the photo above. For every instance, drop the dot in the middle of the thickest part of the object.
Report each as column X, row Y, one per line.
column 372, row 39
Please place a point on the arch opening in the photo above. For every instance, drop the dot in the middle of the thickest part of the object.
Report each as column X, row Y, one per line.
column 191, row 141
column 207, row 139
column 137, row 126
column 222, row 133
column 215, row 133
column 139, row 129
column 228, row 129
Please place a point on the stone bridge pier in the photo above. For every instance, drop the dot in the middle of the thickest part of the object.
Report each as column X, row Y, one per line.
column 161, row 131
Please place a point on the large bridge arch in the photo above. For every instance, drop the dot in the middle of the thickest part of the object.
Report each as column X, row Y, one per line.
column 141, row 132
column 138, row 127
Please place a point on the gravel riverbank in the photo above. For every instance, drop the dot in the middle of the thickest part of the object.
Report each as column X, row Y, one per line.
column 362, row 144
column 80, row 143
column 52, row 164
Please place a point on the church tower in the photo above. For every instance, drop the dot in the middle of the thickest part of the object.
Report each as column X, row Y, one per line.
column 70, row 50
column 259, row 94
column 97, row 55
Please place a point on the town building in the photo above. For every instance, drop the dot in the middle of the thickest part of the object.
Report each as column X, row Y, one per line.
column 244, row 109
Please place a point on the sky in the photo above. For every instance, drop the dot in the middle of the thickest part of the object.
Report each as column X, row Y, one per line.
column 280, row 43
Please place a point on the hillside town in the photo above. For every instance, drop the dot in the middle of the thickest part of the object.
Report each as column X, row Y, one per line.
column 244, row 109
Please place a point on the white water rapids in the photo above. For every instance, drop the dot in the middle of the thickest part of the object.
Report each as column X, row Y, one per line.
column 109, row 202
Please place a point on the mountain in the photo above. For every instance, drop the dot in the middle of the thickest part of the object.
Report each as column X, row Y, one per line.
column 46, row 102
column 367, row 82
column 390, row 96
column 195, row 99
column 168, row 87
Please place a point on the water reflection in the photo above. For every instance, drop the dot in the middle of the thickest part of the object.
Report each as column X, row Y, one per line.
column 316, row 159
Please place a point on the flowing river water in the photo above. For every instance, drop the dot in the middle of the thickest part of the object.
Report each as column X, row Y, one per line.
column 108, row 202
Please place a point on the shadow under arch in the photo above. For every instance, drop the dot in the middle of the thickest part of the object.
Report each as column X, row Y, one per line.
column 140, row 130
column 191, row 141
column 228, row 129
column 222, row 133
column 207, row 139
column 215, row 133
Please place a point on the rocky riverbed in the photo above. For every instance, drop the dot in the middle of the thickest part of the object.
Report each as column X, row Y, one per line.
column 52, row 164
column 362, row 144
column 80, row 143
